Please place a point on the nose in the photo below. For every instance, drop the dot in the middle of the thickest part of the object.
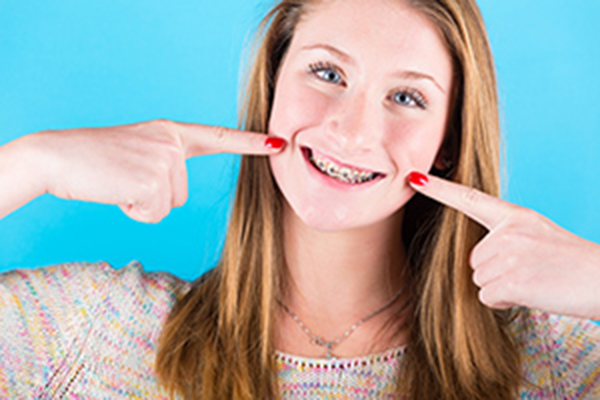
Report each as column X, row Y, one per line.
column 353, row 123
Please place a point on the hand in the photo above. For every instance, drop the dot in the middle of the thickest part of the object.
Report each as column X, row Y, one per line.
column 525, row 259
column 139, row 167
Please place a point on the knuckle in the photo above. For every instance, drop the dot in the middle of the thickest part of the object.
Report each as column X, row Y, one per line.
column 505, row 237
column 494, row 295
column 512, row 261
column 163, row 166
column 140, row 211
column 150, row 187
column 494, row 298
column 513, row 292
column 152, row 212
column 163, row 155
column 528, row 215
column 162, row 215
column 142, row 124
column 471, row 197
column 162, row 123
column 482, row 295
column 173, row 150
column 515, row 280
column 220, row 135
column 477, row 278
column 171, row 130
column 488, row 296
column 473, row 258
column 181, row 200
column 183, row 197
column 153, row 219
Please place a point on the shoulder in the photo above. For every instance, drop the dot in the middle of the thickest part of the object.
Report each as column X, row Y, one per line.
column 66, row 314
column 560, row 354
column 79, row 286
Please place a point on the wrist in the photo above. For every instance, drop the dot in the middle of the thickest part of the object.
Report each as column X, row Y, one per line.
column 21, row 179
column 29, row 158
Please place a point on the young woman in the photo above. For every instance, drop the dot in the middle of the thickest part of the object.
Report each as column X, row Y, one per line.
column 346, row 272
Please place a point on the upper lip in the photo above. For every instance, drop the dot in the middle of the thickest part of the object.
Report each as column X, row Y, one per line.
column 342, row 164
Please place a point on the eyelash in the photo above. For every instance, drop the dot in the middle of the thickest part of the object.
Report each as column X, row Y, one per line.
column 415, row 95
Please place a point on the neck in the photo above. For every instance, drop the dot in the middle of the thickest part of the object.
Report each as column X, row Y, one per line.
column 338, row 278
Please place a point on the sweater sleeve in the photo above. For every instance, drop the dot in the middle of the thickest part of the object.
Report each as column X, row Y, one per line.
column 561, row 355
column 575, row 349
column 44, row 312
column 52, row 319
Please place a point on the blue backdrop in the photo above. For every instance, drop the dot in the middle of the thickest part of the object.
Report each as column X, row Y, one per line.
column 70, row 63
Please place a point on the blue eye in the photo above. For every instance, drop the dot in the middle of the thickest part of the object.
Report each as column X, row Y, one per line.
column 327, row 72
column 331, row 74
column 408, row 97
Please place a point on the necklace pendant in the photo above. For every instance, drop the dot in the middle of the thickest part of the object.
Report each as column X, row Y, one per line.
column 329, row 356
column 320, row 342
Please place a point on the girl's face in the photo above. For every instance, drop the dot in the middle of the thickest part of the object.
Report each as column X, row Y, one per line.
column 365, row 85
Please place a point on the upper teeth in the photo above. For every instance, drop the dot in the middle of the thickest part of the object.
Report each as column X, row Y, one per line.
column 342, row 173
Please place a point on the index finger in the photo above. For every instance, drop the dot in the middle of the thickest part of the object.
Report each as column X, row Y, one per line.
column 481, row 207
column 200, row 140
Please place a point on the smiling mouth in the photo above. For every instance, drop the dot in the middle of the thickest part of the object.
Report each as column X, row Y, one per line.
column 342, row 173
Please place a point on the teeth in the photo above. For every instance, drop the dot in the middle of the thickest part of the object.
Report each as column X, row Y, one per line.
column 332, row 169
column 342, row 173
column 345, row 173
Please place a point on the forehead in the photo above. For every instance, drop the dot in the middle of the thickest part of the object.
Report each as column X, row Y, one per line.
column 387, row 33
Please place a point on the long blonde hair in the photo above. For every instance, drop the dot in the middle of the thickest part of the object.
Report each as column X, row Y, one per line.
column 218, row 340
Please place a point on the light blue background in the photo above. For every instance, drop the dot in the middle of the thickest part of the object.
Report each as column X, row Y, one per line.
column 70, row 63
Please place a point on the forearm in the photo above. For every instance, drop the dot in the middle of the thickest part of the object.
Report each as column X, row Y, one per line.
column 20, row 178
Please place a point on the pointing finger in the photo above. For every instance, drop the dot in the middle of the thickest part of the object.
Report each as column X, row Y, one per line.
column 483, row 208
column 200, row 140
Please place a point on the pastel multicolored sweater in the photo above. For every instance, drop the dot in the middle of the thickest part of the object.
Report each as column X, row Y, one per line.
column 87, row 330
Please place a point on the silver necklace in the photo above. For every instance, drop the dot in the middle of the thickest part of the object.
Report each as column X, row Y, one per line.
column 322, row 342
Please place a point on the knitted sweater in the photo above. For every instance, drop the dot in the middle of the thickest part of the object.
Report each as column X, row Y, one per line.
column 87, row 330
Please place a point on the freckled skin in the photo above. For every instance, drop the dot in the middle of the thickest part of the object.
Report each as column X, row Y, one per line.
column 357, row 119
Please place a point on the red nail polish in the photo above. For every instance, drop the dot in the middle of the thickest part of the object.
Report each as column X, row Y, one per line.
column 417, row 178
column 274, row 143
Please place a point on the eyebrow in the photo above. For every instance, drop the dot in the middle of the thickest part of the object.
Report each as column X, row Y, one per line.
column 415, row 75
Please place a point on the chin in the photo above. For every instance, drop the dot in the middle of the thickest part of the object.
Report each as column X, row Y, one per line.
column 342, row 218
column 309, row 201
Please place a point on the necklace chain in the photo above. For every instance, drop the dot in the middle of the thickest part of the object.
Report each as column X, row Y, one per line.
column 319, row 341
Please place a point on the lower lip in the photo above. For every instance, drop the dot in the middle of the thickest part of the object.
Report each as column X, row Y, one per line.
column 332, row 182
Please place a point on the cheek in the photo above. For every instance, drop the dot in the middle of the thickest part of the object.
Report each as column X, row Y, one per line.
column 414, row 143
column 296, row 107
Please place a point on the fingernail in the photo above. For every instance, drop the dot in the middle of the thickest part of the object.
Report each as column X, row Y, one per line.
column 417, row 178
column 274, row 143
